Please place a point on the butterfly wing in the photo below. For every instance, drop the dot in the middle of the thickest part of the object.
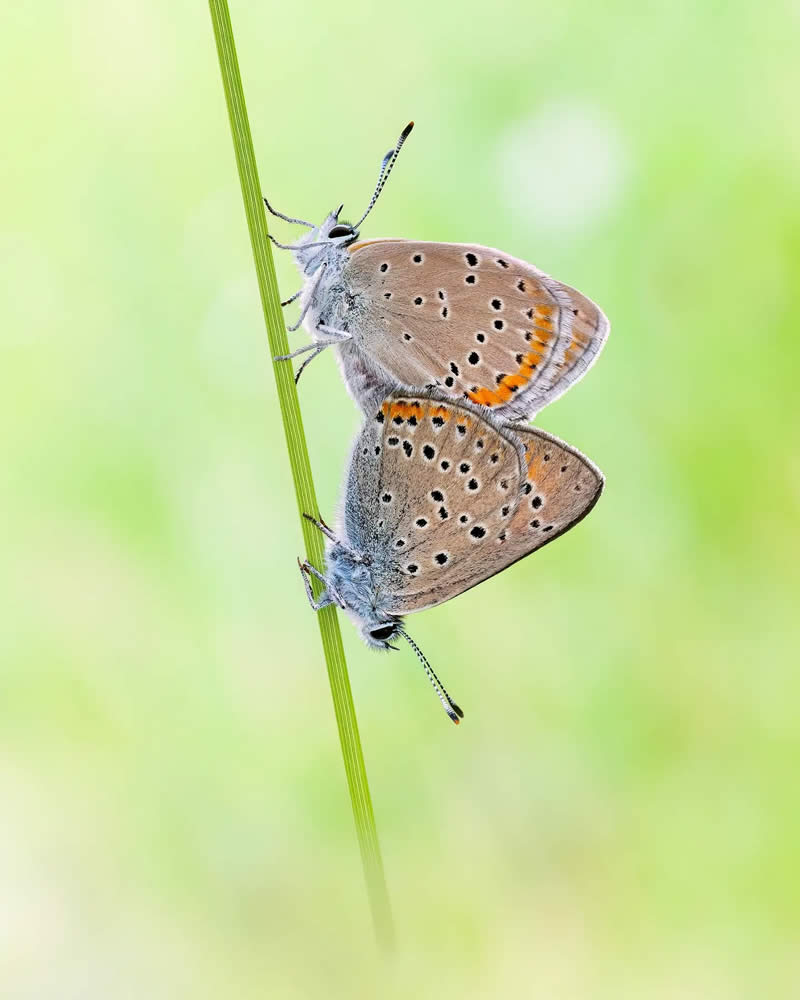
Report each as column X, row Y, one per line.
column 431, row 488
column 561, row 488
column 475, row 321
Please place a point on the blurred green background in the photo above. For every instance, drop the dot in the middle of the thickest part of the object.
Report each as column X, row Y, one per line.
column 619, row 815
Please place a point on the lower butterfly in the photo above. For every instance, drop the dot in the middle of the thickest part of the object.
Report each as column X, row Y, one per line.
column 476, row 322
column 438, row 497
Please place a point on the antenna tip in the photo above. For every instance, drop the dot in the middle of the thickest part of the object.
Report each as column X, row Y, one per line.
column 407, row 130
column 456, row 715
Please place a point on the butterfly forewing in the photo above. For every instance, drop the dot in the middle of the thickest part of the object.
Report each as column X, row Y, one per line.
column 433, row 500
column 475, row 321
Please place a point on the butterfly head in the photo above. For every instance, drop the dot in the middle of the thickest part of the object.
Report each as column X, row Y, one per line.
column 325, row 244
column 339, row 232
column 379, row 635
column 352, row 577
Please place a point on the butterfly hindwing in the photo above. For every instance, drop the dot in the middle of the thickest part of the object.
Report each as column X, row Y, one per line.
column 561, row 488
column 475, row 321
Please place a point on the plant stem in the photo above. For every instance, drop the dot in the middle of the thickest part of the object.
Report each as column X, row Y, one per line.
column 301, row 471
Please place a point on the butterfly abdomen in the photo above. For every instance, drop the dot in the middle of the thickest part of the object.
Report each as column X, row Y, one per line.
column 364, row 379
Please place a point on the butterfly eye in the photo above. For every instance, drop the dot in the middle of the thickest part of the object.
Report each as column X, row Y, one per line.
column 383, row 633
column 338, row 231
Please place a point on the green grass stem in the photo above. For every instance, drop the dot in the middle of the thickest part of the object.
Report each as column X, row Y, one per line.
column 301, row 471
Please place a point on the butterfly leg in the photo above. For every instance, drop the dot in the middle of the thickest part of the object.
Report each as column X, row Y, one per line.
column 316, row 348
column 309, row 300
column 295, row 354
column 325, row 599
column 339, row 336
column 320, row 525
column 297, row 246
column 308, row 361
column 328, row 595
column 315, row 345
column 287, row 218
column 300, row 318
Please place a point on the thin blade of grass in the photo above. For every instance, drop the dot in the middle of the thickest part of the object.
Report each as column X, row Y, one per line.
column 301, row 470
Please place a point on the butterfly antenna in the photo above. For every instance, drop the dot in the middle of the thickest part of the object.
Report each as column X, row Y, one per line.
column 386, row 168
column 448, row 704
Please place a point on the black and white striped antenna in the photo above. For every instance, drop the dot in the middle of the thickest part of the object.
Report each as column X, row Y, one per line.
column 448, row 704
column 386, row 168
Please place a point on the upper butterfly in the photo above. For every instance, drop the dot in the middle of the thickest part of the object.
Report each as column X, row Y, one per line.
column 473, row 321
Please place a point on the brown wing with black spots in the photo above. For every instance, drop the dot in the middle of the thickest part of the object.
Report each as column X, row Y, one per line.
column 562, row 486
column 475, row 321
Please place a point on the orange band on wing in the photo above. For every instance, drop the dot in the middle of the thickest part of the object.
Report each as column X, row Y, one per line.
column 404, row 410
column 368, row 243
column 401, row 409
column 486, row 397
column 508, row 384
column 577, row 346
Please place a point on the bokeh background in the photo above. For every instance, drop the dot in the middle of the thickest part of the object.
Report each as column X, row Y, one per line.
column 619, row 815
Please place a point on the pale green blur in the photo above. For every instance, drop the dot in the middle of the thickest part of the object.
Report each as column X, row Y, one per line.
column 618, row 816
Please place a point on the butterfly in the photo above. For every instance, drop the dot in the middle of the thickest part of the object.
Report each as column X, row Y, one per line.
column 405, row 315
column 439, row 496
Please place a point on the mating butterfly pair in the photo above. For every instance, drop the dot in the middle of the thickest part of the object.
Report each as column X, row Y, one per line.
column 442, row 346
